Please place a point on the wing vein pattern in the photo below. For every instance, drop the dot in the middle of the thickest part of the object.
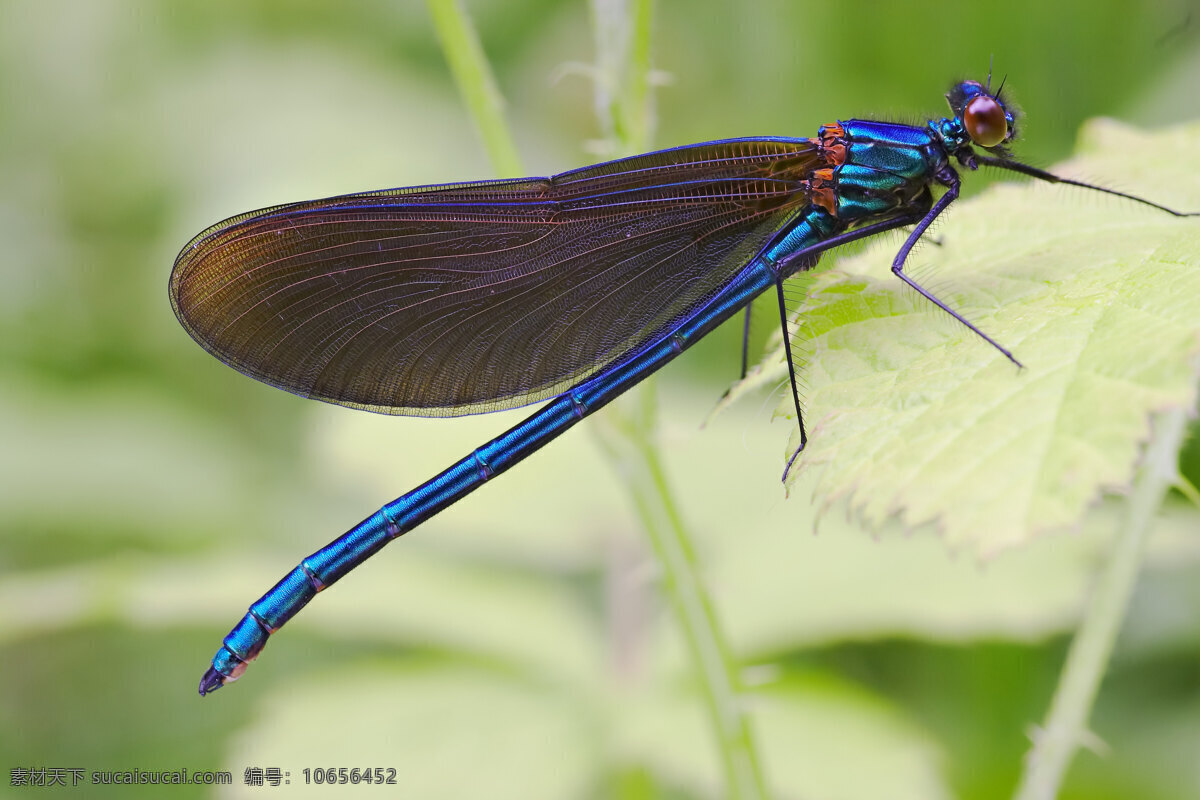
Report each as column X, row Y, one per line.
column 464, row 298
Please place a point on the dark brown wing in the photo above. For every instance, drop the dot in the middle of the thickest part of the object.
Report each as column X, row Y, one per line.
column 448, row 300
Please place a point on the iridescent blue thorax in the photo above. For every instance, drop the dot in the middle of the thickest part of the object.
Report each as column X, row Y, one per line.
column 877, row 169
column 871, row 171
column 883, row 167
column 950, row 132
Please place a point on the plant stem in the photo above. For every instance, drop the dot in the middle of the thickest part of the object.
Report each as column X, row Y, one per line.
column 476, row 83
column 636, row 460
column 1066, row 726
column 624, row 106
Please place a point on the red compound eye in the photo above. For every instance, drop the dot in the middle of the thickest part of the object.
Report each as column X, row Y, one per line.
column 985, row 121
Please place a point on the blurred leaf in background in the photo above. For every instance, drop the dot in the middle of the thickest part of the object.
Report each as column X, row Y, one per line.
column 146, row 491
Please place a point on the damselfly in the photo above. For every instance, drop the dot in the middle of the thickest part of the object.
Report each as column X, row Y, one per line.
column 473, row 297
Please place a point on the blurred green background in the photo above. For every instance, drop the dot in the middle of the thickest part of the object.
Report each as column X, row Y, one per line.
column 515, row 645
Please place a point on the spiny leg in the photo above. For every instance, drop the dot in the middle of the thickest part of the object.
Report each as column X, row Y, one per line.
column 787, row 354
column 898, row 265
column 746, row 342
column 1050, row 177
column 807, row 259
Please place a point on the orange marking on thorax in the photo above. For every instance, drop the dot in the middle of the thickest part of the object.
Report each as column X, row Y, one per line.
column 830, row 143
column 821, row 190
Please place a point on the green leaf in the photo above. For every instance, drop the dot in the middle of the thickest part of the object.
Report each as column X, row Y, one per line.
column 842, row 586
column 910, row 415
